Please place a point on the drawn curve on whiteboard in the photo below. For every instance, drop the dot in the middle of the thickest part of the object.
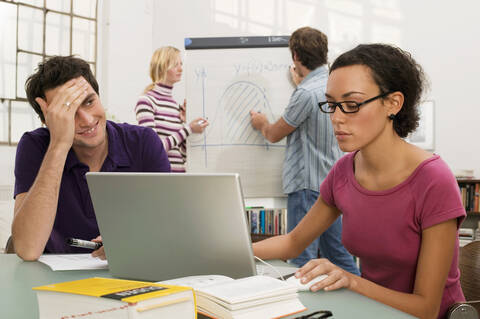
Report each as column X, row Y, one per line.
column 234, row 106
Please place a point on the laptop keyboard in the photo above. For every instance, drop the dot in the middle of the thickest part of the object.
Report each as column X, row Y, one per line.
column 285, row 271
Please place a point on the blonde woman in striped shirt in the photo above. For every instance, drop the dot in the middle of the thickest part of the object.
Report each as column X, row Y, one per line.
column 157, row 109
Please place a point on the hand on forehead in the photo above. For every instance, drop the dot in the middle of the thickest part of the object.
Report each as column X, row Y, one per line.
column 66, row 88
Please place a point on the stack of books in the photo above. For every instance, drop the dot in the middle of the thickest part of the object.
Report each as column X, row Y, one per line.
column 108, row 298
column 251, row 297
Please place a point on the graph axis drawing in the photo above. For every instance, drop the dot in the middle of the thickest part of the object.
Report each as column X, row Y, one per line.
column 232, row 118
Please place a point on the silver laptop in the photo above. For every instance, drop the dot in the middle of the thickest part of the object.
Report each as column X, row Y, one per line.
column 158, row 226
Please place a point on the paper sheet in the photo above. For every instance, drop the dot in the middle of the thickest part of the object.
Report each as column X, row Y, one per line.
column 275, row 271
column 73, row 262
column 197, row 282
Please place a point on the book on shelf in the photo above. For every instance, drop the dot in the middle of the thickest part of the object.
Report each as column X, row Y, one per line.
column 267, row 221
column 470, row 193
column 114, row 298
column 463, row 173
column 250, row 297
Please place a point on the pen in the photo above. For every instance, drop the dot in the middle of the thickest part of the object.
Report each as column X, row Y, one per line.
column 202, row 121
column 83, row 243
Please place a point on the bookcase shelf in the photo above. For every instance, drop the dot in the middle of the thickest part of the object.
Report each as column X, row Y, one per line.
column 266, row 222
column 258, row 237
column 470, row 192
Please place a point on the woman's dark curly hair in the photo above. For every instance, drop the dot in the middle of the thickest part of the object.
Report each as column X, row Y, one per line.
column 392, row 70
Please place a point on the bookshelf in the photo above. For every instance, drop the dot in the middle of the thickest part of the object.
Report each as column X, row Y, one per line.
column 258, row 237
column 470, row 192
column 266, row 222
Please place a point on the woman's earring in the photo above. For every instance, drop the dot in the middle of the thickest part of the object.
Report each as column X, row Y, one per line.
column 391, row 116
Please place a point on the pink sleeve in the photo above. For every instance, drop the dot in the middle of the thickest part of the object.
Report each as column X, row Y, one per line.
column 440, row 197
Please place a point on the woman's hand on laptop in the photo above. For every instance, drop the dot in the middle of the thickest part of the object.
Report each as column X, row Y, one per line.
column 100, row 252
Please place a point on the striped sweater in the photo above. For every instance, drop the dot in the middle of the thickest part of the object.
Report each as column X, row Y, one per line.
column 157, row 109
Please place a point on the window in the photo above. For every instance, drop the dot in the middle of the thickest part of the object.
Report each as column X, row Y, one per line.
column 30, row 32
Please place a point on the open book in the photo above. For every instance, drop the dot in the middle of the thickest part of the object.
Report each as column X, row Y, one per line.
column 251, row 297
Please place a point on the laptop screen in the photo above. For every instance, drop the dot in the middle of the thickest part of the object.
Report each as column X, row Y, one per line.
column 158, row 226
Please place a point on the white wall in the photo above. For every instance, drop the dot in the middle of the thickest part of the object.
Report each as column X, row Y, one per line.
column 443, row 36
column 125, row 48
column 448, row 46
column 7, row 164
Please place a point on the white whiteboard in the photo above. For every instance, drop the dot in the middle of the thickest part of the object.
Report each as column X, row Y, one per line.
column 223, row 85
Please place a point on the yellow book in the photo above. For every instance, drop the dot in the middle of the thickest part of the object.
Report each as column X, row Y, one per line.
column 104, row 298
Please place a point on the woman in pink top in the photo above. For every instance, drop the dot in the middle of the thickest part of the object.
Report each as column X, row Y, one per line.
column 401, row 205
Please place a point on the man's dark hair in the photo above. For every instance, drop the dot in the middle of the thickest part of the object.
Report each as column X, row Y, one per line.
column 393, row 70
column 310, row 46
column 54, row 72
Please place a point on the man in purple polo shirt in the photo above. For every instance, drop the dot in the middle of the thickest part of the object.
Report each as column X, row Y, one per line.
column 52, row 201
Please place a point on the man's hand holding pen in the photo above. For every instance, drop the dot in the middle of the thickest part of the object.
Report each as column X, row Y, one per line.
column 100, row 252
column 95, row 244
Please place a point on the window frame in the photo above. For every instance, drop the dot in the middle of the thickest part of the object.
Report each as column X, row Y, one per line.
column 8, row 101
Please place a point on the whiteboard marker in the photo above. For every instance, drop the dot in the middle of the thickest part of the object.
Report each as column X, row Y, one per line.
column 83, row 243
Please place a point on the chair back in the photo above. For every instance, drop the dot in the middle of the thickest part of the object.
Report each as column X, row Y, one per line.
column 469, row 264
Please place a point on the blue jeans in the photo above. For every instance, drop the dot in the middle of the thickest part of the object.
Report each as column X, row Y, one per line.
column 329, row 243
